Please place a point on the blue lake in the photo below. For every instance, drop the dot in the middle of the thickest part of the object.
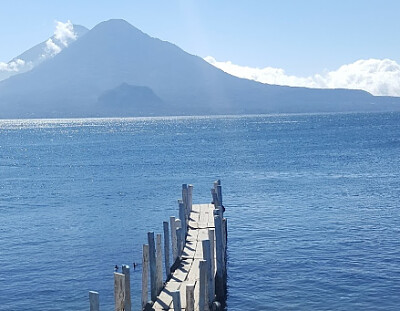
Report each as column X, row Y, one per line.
column 312, row 203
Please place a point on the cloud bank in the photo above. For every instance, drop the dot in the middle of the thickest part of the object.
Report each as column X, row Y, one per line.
column 380, row 77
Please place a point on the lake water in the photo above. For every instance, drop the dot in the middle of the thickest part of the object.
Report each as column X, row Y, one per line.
column 312, row 203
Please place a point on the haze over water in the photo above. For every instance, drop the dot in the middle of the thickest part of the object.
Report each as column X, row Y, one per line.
column 312, row 203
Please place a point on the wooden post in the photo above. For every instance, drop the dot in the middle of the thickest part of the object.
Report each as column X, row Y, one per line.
column 185, row 195
column 178, row 226
column 166, row 249
column 182, row 217
column 126, row 272
column 159, row 278
column 145, row 275
column 219, row 194
column 190, row 198
column 219, row 283
column 119, row 291
column 94, row 301
column 225, row 232
column 211, row 237
column 210, row 279
column 176, row 299
column 214, row 197
column 173, row 239
column 189, row 297
column 152, row 260
column 203, row 305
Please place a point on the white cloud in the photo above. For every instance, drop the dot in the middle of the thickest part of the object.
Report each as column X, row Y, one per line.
column 377, row 76
column 15, row 65
column 63, row 35
column 64, row 32
column 51, row 49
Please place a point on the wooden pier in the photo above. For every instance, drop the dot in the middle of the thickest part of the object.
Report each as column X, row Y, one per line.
column 196, row 279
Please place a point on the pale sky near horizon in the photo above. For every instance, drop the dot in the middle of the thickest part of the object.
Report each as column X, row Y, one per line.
column 302, row 38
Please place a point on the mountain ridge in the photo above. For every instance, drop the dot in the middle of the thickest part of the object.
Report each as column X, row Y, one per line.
column 115, row 52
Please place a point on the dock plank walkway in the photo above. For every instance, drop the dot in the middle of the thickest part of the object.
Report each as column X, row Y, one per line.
column 201, row 219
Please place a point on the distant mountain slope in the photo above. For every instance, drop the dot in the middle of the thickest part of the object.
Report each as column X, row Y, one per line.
column 37, row 54
column 127, row 100
column 72, row 84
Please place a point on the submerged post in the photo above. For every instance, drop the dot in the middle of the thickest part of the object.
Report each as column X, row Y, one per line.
column 166, row 250
column 126, row 273
column 145, row 275
column 94, row 301
column 159, row 279
column 119, row 291
column 152, row 260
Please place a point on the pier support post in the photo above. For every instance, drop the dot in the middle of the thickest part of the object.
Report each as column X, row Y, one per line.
column 178, row 226
column 166, row 250
column 176, row 300
column 190, row 198
column 203, row 297
column 126, row 272
column 159, row 278
column 190, row 297
column 182, row 217
column 119, row 291
column 145, row 275
column 152, row 261
column 211, row 237
column 173, row 239
column 94, row 301
column 219, row 194
column 214, row 197
column 185, row 195
column 219, row 277
column 210, row 278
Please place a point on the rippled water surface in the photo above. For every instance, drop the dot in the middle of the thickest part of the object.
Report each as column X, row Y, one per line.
column 312, row 205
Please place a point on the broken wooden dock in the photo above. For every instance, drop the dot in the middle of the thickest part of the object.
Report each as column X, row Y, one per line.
column 197, row 243
column 187, row 276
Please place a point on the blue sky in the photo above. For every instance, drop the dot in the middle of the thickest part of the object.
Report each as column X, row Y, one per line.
column 303, row 38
